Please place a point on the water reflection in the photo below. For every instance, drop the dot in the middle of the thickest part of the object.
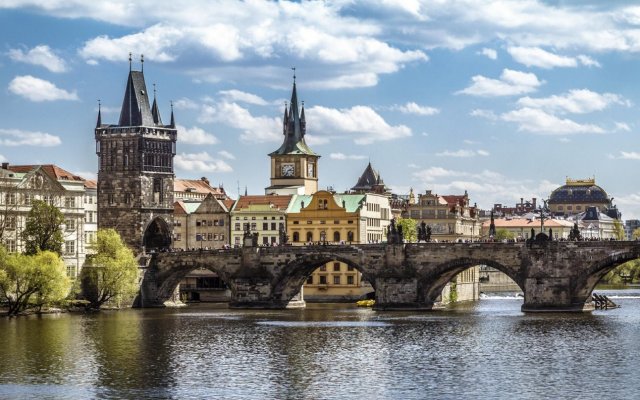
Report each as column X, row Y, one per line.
column 487, row 349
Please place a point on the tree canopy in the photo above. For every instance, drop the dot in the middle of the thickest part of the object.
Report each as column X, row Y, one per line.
column 502, row 234
column 635, row 234
column 30, row 281
column 409, row 229
column 112, row 272
column 42, row 229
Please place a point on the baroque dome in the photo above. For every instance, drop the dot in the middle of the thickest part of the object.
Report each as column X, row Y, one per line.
column 579, row 191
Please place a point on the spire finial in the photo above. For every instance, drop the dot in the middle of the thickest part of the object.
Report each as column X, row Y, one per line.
column 154, row 91
column 99, row 121
column 294, row 74
column 142, row 62
column 129, row 61
column 173, row 120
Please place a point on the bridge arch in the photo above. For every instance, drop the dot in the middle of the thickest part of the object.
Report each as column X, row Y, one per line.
column 587, row 281
column 287, row 284
column 434, row 282
column 157, row 235
column 171, row 268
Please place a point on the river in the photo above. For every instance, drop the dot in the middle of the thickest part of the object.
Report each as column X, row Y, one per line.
column 488, row 349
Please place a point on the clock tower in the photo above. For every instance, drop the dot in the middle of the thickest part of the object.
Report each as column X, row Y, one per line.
column 294, row 166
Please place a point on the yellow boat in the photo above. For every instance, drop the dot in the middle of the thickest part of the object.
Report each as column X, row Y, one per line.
column 365, row 303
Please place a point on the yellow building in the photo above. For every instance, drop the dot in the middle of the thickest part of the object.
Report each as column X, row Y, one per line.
column 521, row 228
column 337, row 219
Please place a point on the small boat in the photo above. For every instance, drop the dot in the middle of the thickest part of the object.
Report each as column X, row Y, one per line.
column 365, row 303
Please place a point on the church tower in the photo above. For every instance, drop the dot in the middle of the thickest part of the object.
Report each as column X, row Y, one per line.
column 135, row 169
column 294, row 166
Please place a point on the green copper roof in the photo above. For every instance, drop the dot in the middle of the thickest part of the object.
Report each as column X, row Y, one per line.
column 352, row 202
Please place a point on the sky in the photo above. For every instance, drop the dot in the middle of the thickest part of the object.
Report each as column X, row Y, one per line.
column 503, row 99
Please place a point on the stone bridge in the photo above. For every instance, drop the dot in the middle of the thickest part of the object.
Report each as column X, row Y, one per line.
column 554, row 276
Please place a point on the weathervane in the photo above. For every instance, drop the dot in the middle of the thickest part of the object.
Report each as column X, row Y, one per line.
column 129, row 61
column 294, row 74
column 142, row 63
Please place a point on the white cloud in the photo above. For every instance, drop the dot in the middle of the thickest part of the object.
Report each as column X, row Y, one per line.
column 227, row 155
column 489, row 53
column 3, row 158
column 341, row 156
column 413, row 108
column 362, row 122
column 36, row 89
column 588, row 61
column 577, row 101
column 185, row 104
column 434, row 173
column 487, row 114
column 40, row 55
column 621, row 126
column 628, row 155
column 195, row 135
column 538, row 121
column 462, row 153
column 17, row 137
column 510, row 83
column 255, row 129
column 200, row 162
column 629, row 204
column 244, row 97
column 537, row 57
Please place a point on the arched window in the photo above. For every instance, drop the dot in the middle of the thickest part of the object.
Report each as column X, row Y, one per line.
column 336, row 236
column 323, row 236
column 296, row 237
column 309, row 236
column 350, row 236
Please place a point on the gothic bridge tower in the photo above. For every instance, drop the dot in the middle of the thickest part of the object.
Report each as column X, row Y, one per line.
column 294, row 166
column 135, row 170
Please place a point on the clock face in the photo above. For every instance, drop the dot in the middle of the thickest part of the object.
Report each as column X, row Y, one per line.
column 287, row 169
column 310, row 170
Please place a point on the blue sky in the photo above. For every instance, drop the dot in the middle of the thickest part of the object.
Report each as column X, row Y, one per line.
column 504, row 99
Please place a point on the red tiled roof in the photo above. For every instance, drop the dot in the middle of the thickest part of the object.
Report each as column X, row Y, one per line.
column 280, row 202
column 52, row 170
column 90, row 184
column 196, row 185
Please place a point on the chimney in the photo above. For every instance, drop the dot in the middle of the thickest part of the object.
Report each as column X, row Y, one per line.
column 5, row 165
column 205, row 180
column 534, row 202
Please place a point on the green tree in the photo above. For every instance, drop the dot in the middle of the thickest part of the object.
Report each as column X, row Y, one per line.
column 618, row 229
column 32, row 281
column 112, row 272
column 409, row 228
column 635, row 234
column 502, row 234
column 625, row 273
column 42, row 229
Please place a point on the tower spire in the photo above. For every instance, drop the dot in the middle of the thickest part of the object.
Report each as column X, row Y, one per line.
column 99, row 122
column 155, row 112
column 142, row 63
column 173, row 121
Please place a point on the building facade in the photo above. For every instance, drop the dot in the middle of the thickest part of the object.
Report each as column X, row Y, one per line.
column 264, row 215
column 325, row 218
column 204, row 224
column 630, row 226
column 135, row 170
column 576, row 195
column 450, row 217
column 20, row 185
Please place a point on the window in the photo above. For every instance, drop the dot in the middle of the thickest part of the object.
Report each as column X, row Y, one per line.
column 178, row 237
column 350, row 236
column 309, row 236
column 71, row 271
column 273, row 226
column 210, row 236
column 336, row 267
column 70, row 224
column 323, row 280
column 350, row 280
column 336, row 280
column 336, row 236
column 253, row 226
column 10, row 198
column 296, row 237
column 296, row 222
column 237, row 226
column 110, row 198
column 69, row 247
column 323, row 267
column 350, row 268
column 10, row 245
column 310, row 280
column 11, row 222
column 265, row 240
column 350, row 221
column 265, row 226
column 28, row 198
column 69, row 202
